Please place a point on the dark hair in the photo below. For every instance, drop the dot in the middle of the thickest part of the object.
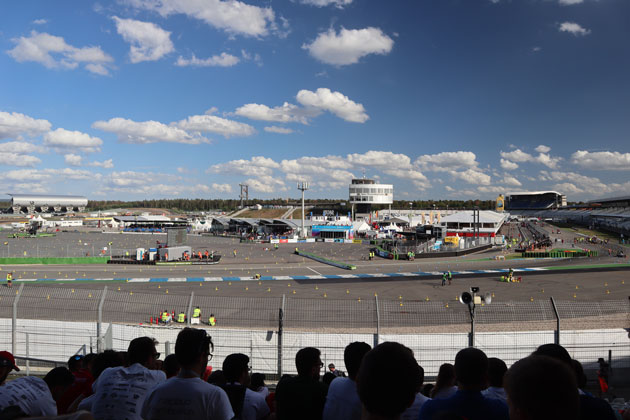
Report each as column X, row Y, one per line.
column 426, row 389
column 445, row 378
column 192, row 343
column 75, row 362
column 59, row 376
column 216, row 378
column 579, row 373
column 352, row 356
column 388, row 379
column 542, row 388
column 328, row 378
column 141, row 349
column 420, row 378
column 171, row 366
column 555, row 351
column 87, row 359
column 305, row 359
column 107, row 359
column 471, row 367
column 257, row 381
column 234, row 365
column 496, row 371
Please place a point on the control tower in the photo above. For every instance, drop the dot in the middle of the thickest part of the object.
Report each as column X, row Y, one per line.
column 365, row 192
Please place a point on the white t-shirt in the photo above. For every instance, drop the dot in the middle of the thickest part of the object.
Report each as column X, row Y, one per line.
column 342, row 401
column 254, row 406
column 31, row 394
column 413, row 412
column 263, row 390
column 120, row 391
column 186, row 399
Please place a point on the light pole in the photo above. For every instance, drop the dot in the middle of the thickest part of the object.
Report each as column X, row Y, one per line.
column 471, row 299
column 303, row 186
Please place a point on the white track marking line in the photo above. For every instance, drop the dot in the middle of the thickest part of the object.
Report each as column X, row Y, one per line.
column 319, row 274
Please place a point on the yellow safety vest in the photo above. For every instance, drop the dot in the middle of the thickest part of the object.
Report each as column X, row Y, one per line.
column 164, row 316
column 196, row 313
column 9, row 276
column 181, row 317
column 213, row 321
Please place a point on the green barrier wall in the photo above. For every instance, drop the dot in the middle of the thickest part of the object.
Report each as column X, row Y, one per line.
column 82, row 260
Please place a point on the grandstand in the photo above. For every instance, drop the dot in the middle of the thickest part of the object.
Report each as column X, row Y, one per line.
column 535, row 200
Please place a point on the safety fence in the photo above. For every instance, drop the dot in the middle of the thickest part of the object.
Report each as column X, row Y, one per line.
column 55, row 323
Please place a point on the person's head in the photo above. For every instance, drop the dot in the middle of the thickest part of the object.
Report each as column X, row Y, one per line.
column 331, row 367
column 193, row 349
column 353, row 355
column 75, row 363
column 445, row 378
column 217, row 378
column 308, row 363
column 7, row 364
column 426, row 389
column 328, row 378
column 171, row 366
column 142, row 350
column 88, row 359
column 555, row 351
column 541, row 388
column 257, row 381
column 496, row 371
column 471, row 369
column 420, row 378
column 58, row 381
column 387, row 380
column 579, row 373
column 236, row 368
column 107, row 359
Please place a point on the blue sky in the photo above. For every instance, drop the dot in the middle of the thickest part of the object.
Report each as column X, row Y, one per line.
column 453, row 99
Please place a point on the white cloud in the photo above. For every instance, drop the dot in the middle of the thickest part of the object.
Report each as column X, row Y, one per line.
column 284, row 114
column 536, row 49
column 148, row 41
column 21, row 147
column 213, row 124
column 26, row 175
column 349, row 46
column 380, row 159
column 543, row 149
column 234, row 17
column 257, row 165
column 15, row 124
column 509, row 165
column 222, row 188
column 602, row 160
column 266, row 184
column 17, row 159
column 511, row 181
column 222, row 60
column 40, row 47
column 66, row 139
column 472, row 176
column 543, row 158
column 447, row 161
column 39, row 22
column 335, row 102
column 324, row 3
column 146, row 132
column 278, row 130
column 106, row 164
column 73, row 160
column 570, row 2
column 31, row 187
column 573, row 28
column 517, row 156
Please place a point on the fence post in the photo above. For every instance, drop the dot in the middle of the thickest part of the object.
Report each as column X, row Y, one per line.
column 99, row 322
column 556, row 335
column 14, row 320
column 378, row 323
column 28, row 354
column 167, row 348
column 280, row 322
column 192, row 295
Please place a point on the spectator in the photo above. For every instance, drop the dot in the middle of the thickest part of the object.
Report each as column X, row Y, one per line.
column 343, row 400
column 35, row 396
column 328, row 378
column 187, row 396
column 332, row 369
column 471, row 372
column 387, row 381
column 445, row 384
column 120, row 391
column 102, row 361
column 591, row 408
column 580, row 377
column 426, row 390
column 7, row 364
column 496, row 371
column 81, row 387
column 257, row 384
column 246, row 404
column 412, row 412
column 217, row 378
column 170, row 366
column 303, row 396
column 542, row 388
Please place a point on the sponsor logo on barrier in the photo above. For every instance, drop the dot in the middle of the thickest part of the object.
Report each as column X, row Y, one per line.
column 329, row 240
column 357, row 241
column 283, row 241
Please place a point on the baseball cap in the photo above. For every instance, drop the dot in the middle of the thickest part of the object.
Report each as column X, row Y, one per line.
column 7, row 359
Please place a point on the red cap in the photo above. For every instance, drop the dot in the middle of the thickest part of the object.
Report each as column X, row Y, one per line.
column 7, row 359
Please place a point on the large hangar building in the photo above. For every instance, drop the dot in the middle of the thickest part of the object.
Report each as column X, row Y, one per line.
column 45, row 203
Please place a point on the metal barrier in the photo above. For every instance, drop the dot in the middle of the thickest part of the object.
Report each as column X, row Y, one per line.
column 56, row 323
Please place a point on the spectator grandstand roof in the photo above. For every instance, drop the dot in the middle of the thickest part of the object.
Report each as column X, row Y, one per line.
column 47, row 200
column 533, row 192
column 623, row 199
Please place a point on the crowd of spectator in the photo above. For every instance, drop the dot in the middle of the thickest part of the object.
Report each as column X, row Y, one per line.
column 385, row 382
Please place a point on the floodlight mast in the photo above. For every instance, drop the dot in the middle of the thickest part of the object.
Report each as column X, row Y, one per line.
column 302, row 186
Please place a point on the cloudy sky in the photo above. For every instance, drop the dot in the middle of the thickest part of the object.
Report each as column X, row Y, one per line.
column 458, row 99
